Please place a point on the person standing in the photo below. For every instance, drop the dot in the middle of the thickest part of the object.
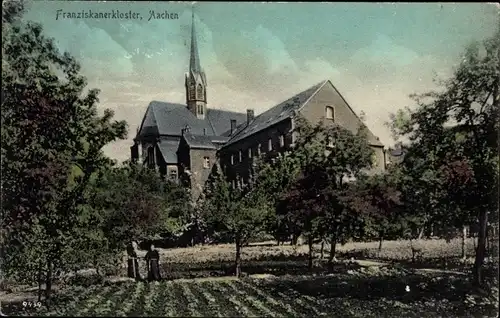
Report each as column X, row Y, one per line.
column 153, row 264
column 133, row 261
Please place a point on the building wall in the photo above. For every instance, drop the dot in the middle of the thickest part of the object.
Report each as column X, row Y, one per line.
column 200, row 174
column 315, row 110
column 242, row 169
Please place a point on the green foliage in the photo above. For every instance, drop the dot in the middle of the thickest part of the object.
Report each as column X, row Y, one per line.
column 319, row 202
column 238, row 213
column 136, row 204
column 48, row 126
column 452, row 163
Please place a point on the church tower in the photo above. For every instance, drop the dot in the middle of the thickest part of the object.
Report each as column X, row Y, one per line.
column 196, row 82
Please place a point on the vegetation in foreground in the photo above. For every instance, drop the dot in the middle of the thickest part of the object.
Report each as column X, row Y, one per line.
column 361, row 292
column 61, row 194
column 275, row 285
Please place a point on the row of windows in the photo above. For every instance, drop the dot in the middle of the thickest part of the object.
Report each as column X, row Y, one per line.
column 259, row 149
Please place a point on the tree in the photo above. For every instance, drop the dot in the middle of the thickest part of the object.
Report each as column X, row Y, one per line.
column 378, row 199
column 52, row 140
column 327, row 157
column 237, row 213
column 453, row 134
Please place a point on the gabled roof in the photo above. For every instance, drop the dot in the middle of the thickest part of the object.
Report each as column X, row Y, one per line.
column 199, row 142
column 165, row 118
column 276, row 114
column 168, row 149
column 285, row 110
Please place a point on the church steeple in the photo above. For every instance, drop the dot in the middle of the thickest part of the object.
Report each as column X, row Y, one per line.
column 196, row 82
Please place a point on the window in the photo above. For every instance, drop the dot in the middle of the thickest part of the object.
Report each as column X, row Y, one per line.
column 206, row 162
column 151, row 156
column 240, row 156
column 249, row 152
column 282, row 141
column 192, row 93
column 232, row 159
column 374, row 160
column 330, row 142
column 199, row 109
column 173, row 174
column 329, row 112
column 259, row 149
column 270, row 145
column 199, row 92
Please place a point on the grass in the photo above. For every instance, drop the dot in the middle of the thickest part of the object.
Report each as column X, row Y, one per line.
column 278, row 285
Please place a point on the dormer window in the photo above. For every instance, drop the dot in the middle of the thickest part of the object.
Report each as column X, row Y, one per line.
column 329, row 113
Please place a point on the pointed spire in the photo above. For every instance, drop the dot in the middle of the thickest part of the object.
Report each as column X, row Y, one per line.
column 194, row 61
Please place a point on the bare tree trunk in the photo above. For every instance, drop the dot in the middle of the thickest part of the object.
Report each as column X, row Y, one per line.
column 333, row 246
column 48, row 283
column 481, row 246
column 322, row 249
column 40, row 281
column 464, row 240
column 488, row 246
column 310, row 259
column 421, row 233
column 381, row 239
column 238, row 258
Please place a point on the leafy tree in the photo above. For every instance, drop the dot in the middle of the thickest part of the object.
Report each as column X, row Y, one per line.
column 237, row 213
column 327, row 157
column 137, row 204
column 378, row 198
column 52, row 140
column 453, row 134
column 276, row 175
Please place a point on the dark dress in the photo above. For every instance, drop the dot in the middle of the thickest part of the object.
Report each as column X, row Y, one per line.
column 133, row 263
column 152, row 260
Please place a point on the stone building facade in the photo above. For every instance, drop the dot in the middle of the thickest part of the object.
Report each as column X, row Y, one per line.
column 188, row 140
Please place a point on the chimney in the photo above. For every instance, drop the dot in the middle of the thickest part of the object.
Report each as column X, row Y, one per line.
column 250, row 115
column 233, row 126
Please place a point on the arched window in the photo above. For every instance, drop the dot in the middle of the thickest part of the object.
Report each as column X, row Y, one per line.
column 329, row 112
column 199, row 92
column 192, row 92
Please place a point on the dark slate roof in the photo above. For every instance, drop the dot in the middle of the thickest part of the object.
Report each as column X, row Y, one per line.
column 282, row 111
column 168, row 149
column 221, row 120
column 171, row 118
column 274, row 115
column 199, row 142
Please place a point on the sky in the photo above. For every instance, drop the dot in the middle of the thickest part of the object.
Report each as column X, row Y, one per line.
column 256, row 55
